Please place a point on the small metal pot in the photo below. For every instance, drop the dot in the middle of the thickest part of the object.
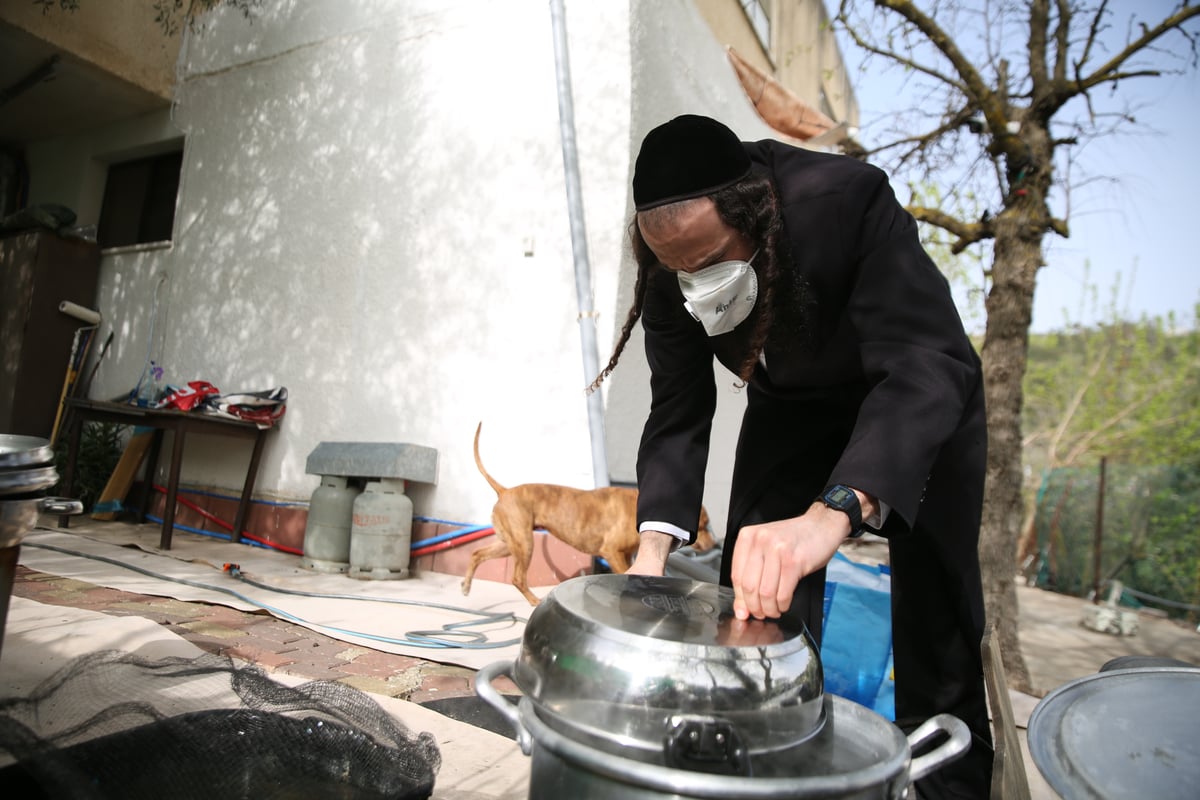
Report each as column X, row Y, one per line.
column 26, row 465
column 19, row 517
column 18, row 451
column 660, row 670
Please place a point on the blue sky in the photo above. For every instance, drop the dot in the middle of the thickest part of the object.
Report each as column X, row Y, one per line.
column 1137, row 230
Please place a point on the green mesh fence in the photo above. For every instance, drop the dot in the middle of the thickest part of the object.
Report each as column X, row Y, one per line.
column 1150, row 534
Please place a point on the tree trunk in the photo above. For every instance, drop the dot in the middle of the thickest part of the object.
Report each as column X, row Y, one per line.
column 1005, row 352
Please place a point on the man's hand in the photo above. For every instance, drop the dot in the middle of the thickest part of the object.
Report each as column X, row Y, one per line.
column 770, row 559
column 652, row 554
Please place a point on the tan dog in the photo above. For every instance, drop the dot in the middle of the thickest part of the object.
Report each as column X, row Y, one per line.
column 600, row 522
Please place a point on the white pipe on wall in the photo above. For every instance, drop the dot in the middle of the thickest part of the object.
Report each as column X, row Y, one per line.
column 583, row 281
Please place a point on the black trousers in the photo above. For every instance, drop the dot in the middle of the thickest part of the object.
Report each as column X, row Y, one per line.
column 937, row 625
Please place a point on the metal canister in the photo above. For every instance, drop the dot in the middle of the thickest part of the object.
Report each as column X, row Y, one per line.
column 381, row 531
column 327, row 531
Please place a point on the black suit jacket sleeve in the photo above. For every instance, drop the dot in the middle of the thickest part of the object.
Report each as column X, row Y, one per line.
column 918, row 364
column 674, row 449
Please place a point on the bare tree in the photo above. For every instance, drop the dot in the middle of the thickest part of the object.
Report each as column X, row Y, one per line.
column 1006, row 91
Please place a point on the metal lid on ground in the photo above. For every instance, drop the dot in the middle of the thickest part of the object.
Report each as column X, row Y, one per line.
column 1123, row 733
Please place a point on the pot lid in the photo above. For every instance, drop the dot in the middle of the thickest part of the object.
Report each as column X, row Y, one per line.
column 642, row 665
column 1123, row 733
column 24, row 451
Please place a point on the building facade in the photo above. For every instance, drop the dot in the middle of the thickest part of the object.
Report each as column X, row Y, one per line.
column 371, row 210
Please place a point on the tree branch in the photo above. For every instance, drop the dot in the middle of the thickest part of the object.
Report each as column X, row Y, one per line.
column 973, row 84
column 1062, row 40
column 1108, row 71
column 921, row 141
column 1092, row 37
column 1073, row 406
column 1039, row 23
column 967, row 233
column 891, row 55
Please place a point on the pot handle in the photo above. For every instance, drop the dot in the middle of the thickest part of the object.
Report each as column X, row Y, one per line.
column 952, row 748
column 488, row 693
column 61, row 505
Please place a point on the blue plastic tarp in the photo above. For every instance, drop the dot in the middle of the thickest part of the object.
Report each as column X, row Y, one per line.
column 856, row 643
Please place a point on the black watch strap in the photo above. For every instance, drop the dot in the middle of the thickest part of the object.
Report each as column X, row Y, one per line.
column 842, row 498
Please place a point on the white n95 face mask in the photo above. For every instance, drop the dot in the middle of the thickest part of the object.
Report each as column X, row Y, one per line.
column 720, row 297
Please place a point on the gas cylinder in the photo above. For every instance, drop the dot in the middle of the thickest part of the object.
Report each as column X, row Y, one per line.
column 381, row 531
column 327, row 531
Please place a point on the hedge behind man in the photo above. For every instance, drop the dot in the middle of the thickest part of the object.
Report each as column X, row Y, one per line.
column 802, row 275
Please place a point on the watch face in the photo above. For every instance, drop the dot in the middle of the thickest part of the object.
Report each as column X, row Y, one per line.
column 840, row 495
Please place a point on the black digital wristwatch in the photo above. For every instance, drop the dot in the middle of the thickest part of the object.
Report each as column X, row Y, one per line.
column 842, row 498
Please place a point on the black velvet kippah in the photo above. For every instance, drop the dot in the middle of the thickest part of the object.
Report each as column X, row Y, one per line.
column 690, row 156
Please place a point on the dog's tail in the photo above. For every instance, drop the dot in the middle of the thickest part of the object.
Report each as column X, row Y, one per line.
column 479, row 463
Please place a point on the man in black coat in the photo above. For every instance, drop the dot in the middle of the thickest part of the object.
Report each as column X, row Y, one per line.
column 801, row 274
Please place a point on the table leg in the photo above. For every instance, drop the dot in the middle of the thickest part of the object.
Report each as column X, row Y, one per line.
column 75, row 428
column 239, row 523
column 151, row 474
column 168, row 525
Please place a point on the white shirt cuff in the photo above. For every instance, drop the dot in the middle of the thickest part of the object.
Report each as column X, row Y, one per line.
column 666, row 527
column 876, row 520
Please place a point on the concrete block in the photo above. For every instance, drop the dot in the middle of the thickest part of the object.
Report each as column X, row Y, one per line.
column 410, row 462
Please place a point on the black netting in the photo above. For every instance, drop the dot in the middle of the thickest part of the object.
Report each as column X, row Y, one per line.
column 1147, row 523
column 112, row 725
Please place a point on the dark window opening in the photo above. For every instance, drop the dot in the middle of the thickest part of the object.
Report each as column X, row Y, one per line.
column 139, row 201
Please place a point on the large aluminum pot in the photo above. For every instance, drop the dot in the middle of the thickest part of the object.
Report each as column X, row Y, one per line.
column 858, row 755
column 1122, row 733
column 650, row 687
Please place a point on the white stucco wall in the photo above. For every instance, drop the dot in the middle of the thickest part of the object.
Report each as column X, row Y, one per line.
column 361, row 182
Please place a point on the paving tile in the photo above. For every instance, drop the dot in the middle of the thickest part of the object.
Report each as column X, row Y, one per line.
column 317, row 668
column 382, row 668
column 72, row 585
column 158, row 607
column 276, row 631
column 25, row 574
column 211, row 630
column 256, row 655
column 391, row 687
column 434, row 686
column 372, row 661
column 101, row 596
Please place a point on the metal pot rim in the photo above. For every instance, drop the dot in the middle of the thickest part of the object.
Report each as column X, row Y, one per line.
column 17, row 450
column 24, row 481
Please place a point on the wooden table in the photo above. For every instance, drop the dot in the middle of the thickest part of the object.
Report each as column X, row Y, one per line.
column 180, row 423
